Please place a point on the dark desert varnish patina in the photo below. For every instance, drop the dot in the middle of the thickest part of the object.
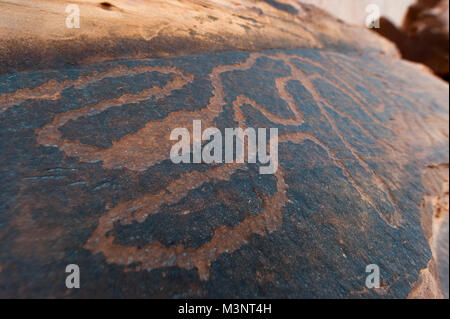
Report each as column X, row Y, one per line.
column 87, row 179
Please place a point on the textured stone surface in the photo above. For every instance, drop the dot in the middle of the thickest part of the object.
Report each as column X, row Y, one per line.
column 86, row 176
column 34, row 32
column 423, row 37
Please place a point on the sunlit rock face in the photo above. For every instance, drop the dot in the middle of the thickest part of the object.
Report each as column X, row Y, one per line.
column 153, row 28
column 87, row 177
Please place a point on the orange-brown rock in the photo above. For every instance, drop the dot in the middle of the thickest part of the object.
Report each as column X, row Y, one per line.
column 424, row 36
column 34, row 33
column 86, row 175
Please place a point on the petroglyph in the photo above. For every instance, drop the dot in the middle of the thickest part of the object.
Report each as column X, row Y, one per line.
column 151, row 145
column 85, row 121
column 52, row 89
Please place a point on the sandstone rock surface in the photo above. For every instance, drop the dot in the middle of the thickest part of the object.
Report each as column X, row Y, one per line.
column 87, row 179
